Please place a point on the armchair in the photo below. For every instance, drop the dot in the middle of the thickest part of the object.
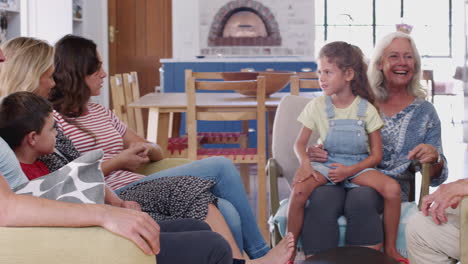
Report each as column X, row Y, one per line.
column 283, row 163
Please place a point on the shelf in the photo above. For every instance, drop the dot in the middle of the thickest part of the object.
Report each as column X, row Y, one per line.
column 79, row 20
column 10, row 9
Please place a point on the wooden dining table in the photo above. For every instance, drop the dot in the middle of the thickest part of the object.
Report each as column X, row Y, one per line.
column 164, row 122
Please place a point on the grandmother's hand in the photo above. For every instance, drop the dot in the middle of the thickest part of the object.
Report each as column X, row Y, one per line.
column 425, row 153
column 317, row 153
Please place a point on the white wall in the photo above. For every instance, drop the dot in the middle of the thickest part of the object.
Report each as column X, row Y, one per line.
column 52, row 19
column 95, row 28
column 48, row 19
column 185, row 29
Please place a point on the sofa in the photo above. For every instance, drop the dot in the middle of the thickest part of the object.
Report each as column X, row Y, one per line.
column 58, row 245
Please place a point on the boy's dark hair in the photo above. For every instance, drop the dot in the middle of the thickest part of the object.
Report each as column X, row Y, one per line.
column 20, row 114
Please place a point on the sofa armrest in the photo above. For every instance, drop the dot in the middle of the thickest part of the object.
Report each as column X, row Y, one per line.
column 163, row 164
column 67, row 245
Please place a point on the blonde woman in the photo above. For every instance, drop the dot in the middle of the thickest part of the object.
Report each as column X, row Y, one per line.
column 29, row 67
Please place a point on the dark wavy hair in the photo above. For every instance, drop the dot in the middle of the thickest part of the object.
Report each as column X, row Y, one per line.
column 346, row 56
column 75, row 58
column 20, row 114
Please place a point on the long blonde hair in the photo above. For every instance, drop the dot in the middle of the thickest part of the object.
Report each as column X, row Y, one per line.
column 376, row 77
column 26, row 60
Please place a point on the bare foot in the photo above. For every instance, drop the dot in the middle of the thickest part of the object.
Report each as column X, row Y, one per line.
column 393, row 252
column 280, row 254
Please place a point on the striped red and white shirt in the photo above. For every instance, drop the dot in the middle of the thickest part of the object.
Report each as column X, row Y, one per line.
column 108, row 133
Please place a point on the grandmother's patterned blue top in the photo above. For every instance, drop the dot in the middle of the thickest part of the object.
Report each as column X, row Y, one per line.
column 416, row 124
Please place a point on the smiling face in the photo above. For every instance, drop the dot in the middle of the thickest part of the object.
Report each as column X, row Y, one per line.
column 332, row 79
column 398, row 63
column 95, row 80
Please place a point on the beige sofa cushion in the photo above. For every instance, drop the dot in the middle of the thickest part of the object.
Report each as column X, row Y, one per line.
column 67, row 245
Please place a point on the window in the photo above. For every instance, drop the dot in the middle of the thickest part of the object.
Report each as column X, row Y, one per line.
column 363, row 22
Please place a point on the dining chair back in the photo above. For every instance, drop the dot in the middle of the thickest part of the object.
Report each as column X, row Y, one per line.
column 427, row 80
column 118, row 97
column 132, row 93
column 213, row 81
column 306, row 80
column 125, row 89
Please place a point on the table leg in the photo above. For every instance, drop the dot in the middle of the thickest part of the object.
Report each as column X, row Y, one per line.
column 158, row 128
column 152, row 132
column 244, row 168
column 176, row 117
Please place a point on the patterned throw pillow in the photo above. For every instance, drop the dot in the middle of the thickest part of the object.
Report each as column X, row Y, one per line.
column 80, row 181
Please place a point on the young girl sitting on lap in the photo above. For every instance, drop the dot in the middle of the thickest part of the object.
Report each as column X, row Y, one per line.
column 349, row 125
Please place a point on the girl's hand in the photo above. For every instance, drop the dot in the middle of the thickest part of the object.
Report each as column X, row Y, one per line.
column 425, row 153
column 340, row 173
column 317, row 153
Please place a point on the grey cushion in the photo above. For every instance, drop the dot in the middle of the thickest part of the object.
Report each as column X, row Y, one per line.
column 80, row 181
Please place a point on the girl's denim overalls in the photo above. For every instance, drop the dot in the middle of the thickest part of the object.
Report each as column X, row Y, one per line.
column 346, row 142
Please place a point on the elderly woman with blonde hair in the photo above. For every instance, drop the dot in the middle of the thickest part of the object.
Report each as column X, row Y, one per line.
column 412, row 131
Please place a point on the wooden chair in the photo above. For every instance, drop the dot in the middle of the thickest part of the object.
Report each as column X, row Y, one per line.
column 427, row 79
column 118, row 97
column 307, row 80
column 125, row 89
column 237, row 155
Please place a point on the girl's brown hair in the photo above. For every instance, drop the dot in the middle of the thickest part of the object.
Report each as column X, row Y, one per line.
column 346, row 56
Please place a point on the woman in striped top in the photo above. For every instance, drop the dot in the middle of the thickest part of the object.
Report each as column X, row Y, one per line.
column 78, row 76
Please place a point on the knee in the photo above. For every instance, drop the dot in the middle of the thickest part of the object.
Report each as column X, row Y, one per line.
column 365, row 200
column 413, row 228
column 299, row 196
column 231, row 215
column 391, row 190
column 219, row 248
column 327, row 201
column 194, row 224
